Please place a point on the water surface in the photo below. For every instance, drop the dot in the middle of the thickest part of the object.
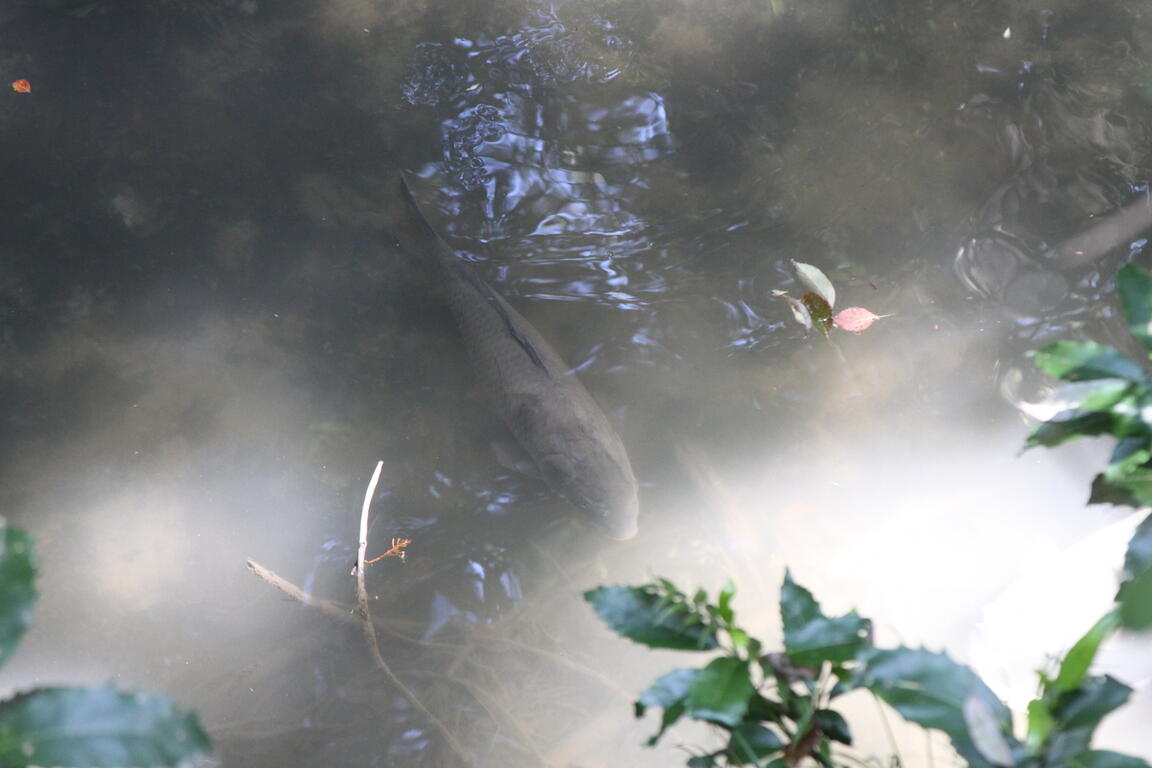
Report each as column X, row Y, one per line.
column 209, row 336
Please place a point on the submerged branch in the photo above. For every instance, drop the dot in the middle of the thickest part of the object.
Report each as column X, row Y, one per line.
column 370, row 630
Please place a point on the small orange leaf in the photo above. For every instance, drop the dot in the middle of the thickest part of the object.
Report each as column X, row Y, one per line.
column 22, row 86
column 855, row 319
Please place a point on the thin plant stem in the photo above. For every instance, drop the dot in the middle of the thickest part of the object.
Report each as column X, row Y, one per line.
column 370, row 629
column 887, row 727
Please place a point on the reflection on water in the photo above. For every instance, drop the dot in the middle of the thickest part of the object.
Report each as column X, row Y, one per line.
column 208, row 337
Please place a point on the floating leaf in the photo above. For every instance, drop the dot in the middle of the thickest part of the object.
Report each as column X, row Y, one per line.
column 22, row 86
column 799, row 311
column 17, row 593
column 658, row 616
column 810, row 637
column 819, row 310
column 96, row 727
column 721, row 691
column 816, row 281
column 855, row 319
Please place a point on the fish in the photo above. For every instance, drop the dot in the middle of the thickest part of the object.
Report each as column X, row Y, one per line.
column 567, row 438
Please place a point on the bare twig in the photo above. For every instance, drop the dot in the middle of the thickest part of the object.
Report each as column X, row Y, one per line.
column 364, row 618
column 361, row 591
column 293, row 591
column 370, row 630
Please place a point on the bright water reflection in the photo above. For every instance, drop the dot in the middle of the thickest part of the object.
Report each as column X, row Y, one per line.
column 208, row 337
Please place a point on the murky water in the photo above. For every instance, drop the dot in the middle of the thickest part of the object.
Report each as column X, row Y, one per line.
column 209, row 336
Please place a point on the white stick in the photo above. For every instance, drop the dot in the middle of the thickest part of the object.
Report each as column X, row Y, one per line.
column 362, row 549
column 370, row 629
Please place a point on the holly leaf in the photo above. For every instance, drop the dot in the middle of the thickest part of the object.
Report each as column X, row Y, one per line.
column 96, row 728
column 658, row 616
column 721, row 691
column 930, row 689
column 670, row 693
column 810, row 637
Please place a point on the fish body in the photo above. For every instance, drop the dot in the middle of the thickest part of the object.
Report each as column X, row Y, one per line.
column 564, row 432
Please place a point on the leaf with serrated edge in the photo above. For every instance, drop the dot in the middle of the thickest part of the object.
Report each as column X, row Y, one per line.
column 721, row 691
column 669, row 692
column 648, row 616
column 930, row 689
column 810, row 637
column 96, row 727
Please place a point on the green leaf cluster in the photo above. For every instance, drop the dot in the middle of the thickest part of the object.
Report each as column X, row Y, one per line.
column 1108, row 393
column 775, row 708
column 79, row 727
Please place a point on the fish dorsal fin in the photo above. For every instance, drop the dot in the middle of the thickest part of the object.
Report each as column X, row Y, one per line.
column 491, row 297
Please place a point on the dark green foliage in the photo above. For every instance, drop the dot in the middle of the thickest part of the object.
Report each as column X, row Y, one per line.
column 1109, row 394
column 775, row 708
column 657, row 615
column 1077, row 713
column 1135, row 595
column 669, row 692
column 750, row 742
column 1099, row 758
column 79, row 727
column 810, row 637
column 1074, row 667
column 17, row 594
column 932, row 690
column 1087, row 360
column 1135, row 288
column 1118, row 403
column 721, row 691
column 96, row 727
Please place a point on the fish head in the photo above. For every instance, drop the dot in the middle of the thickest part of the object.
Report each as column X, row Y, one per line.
column 599, row 484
